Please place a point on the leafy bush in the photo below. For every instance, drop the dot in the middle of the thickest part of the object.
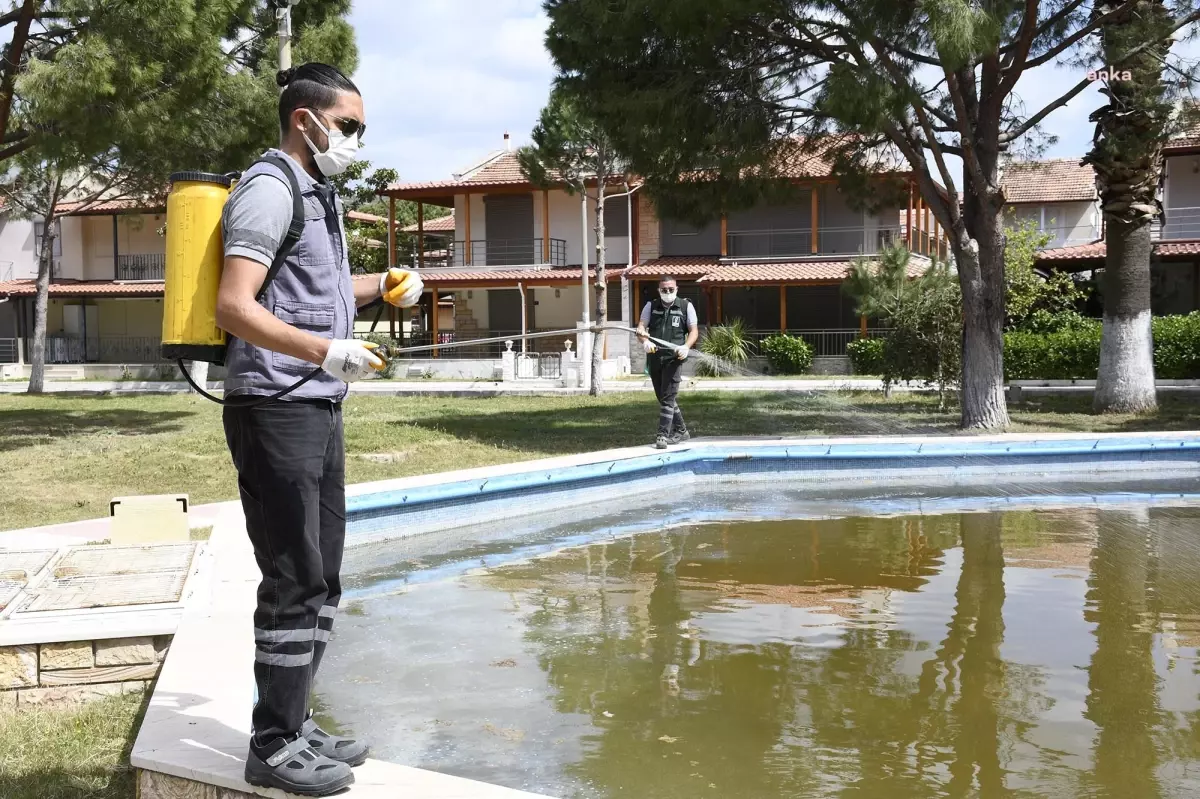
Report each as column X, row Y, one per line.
column 1177, row 347
column 728, row 347
column 866, row 356
column 788, row 355
column 1069, row 354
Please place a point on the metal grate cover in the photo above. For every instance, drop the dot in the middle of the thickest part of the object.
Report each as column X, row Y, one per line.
column 105, row 591
column 98, row 561
column 20, row 566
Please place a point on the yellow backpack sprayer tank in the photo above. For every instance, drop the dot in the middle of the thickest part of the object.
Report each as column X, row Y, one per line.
column 195, row 254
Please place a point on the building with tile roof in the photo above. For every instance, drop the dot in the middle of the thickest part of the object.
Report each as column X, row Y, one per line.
column 1058, row 196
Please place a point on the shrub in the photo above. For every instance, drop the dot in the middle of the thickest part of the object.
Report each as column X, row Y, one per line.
column 728, row 349
column 787, row 355
column 1070, row 354
column 866, row 356
column 1177, row 347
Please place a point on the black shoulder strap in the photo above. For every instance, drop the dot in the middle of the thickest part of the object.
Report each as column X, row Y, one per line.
column 295, row 230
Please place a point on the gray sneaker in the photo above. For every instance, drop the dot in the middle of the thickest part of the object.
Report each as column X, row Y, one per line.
column 661, row 442
column 680, row 437
column 296, row 768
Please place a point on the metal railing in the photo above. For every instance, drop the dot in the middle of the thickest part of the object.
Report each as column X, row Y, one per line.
column 507, row 252
column 9, row 350
column 539, row 366
column 1181, row 223
column 828, row 343
column 798, row 243
column 1064, row 235
column 103, row 349
column 152, row 266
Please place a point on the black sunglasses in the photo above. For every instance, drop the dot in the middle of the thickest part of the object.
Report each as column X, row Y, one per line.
column 348, row 127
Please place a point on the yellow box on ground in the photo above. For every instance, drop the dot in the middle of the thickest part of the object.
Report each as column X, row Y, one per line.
column 151, row 519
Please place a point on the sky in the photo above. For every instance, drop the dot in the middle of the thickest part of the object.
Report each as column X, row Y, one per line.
column 443, row 80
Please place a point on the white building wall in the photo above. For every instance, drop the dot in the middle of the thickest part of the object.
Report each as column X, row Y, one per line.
column 18, row 261
column 73, row 247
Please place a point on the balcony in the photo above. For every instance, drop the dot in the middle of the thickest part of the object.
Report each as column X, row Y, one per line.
column 776, row 244
column 142, row 267
column 1181, row 223
column 507, row 252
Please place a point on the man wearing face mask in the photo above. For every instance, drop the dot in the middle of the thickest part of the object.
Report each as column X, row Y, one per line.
column 672, row 319
column 288, row 305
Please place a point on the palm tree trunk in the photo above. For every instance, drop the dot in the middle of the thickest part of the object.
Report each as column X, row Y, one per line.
column 1125, row 383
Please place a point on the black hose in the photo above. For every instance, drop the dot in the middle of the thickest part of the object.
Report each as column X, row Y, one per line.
column 248, row 403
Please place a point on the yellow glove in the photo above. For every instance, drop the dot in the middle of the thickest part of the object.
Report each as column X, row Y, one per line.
column 401, row 287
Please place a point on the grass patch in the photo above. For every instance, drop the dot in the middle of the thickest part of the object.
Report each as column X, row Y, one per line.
column 64, row 458
column 70, row 753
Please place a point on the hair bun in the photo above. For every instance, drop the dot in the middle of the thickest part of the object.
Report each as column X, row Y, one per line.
column 284, row 76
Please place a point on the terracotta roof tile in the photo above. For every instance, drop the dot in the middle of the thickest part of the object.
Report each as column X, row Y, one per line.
column 1097, row 251
column 1186, row 139
column 677, row 266
column 1054, row 181
column 443, row 224
column 794, row 272
column 83, row 288
column 128, row 205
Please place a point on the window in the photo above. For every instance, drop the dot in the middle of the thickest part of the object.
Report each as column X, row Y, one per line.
column 616, row 216
column 38, row 231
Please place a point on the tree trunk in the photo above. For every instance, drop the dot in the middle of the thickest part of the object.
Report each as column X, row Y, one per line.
column 1125, row 383
column 601, row 294
column 41, row 302
column 980, row 262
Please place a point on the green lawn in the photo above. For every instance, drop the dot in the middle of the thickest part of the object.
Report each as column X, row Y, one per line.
column 76, row 753
column 64, row 458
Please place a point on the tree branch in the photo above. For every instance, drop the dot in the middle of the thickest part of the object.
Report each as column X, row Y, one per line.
column 18, row 148
column 12, row 63
column 1066, row 44
column 966, row 139
column 1023, row 44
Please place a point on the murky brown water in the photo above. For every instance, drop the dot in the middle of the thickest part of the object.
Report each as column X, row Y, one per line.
column 1032, row 654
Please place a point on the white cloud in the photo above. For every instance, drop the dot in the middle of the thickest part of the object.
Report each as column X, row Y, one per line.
column 443, row 81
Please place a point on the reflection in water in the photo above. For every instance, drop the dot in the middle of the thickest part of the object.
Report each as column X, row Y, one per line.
column 990, row 655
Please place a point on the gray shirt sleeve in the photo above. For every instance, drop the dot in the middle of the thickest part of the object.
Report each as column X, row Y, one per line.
column 645, row 318
column 692, row 320
column 256, row 218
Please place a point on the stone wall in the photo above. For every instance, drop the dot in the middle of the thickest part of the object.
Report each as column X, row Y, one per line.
column 465, row 323
column 649, row 231
column 39, row 674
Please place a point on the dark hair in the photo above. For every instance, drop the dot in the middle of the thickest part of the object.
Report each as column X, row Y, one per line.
column 310, row 86
column 666, row 278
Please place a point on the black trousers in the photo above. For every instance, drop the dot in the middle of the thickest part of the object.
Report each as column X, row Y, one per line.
column 665, row 374
column 291, row 464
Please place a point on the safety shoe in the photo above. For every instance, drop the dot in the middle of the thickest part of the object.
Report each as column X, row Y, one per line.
column 680, row 437
column 296, row 768
column 661, row 442
column 334, row 747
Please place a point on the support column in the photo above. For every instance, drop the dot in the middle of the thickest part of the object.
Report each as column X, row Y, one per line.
column 783, row 325
column 524, row 317
column 919, row 220
column 392, row 233
column 908, row 220
column 420, row 234
column 546, row 226
column 467, row 243
column 724, row 235
column 816, row 245
column 435, row 320
column 116, row 251
column 720, row 304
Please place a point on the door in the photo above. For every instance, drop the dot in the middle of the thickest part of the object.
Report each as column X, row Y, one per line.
column 509, row 225
column 82, row 323
column 504, row 311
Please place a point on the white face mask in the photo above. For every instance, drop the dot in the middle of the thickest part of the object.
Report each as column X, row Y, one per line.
column 667, row 295
column 342, row 150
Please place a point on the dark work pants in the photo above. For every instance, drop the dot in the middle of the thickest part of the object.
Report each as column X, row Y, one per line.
column 665, row 374
column 291, row 465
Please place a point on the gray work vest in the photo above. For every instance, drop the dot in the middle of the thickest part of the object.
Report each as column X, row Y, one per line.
column 312, row 292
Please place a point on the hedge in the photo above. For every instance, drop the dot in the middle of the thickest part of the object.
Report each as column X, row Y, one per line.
column 1074, row 353
column 788, row 355
column 866, row 356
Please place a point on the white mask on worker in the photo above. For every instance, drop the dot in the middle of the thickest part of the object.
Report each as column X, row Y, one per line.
column 667, row 295
column 341, row 153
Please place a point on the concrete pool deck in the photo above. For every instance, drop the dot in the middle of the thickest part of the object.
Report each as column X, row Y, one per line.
column 197, row 724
